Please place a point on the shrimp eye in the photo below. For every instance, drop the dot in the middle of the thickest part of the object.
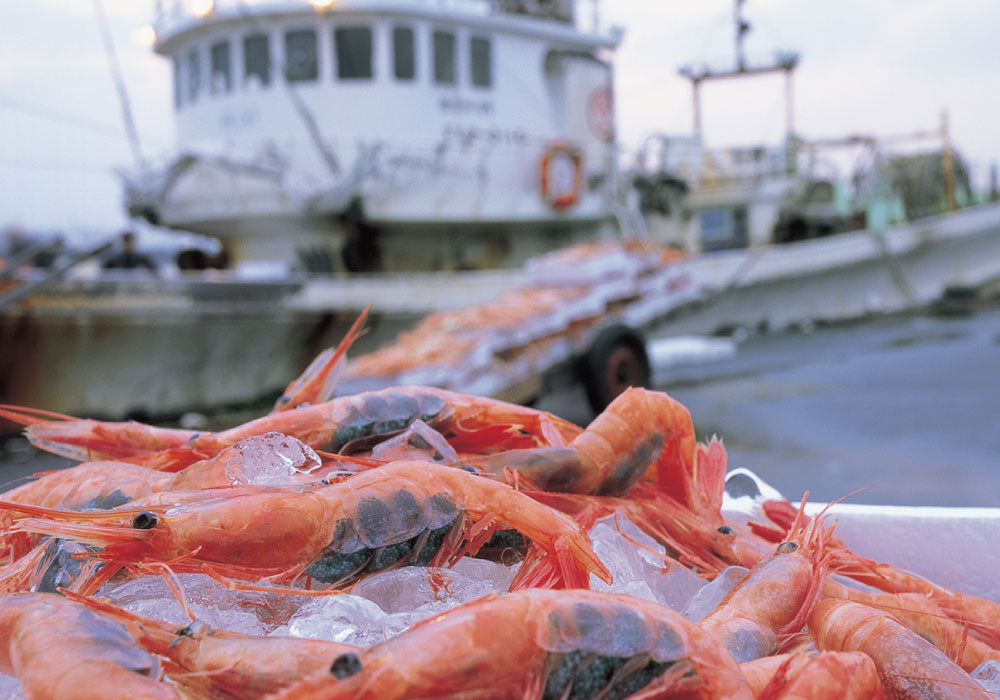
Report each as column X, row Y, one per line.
column 471, row 470
column 786, row 547
column 725, row 530
column 144, row 521
column 345, row 665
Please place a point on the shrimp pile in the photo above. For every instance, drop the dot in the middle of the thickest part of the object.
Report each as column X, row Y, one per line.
column 568, row 293
column 384, row 503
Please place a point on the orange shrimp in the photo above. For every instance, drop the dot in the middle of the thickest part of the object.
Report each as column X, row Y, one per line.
column 922, row 615
column 342, row 424
column 87, row 440
column 405, row 512
column 981, row 615
column 224, row 664
column 91, row 485
column 271, row 458
column 908, row 665
column 317, row 383
column 772, row 600
column 59, row 649
column 541, row 644
column 830, row 675
column 636, row 431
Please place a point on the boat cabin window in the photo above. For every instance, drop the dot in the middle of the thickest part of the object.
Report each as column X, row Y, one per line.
column 300, row 55
column 177, row 82
column 222, row 78
column 444, row 58
column 256, row 60
column 193, row 75
column 353, row 48
column 403, row 56
column 482, row 61
column 722, row 229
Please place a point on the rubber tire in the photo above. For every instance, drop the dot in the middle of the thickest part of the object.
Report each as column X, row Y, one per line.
column 616, row 360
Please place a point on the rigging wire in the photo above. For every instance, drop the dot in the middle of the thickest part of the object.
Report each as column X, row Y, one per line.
column 308, row 119
column 36, row 109
column 116, row 74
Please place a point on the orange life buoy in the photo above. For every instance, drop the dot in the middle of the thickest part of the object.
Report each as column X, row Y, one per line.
column 563, row 195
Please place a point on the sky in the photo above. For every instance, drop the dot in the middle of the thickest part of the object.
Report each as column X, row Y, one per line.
column 880, row 67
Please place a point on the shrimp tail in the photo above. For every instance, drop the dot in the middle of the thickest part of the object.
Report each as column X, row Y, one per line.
column 563, row 570
column 317, row 382
column 155, row 636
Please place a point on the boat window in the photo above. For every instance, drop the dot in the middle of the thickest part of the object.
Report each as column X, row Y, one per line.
column 222, row 78
column 722, row 229
column 300, row 55
column 353, row 46
column 256, row 60
column 177, row 82
column 193, row 75
column 482, row 61
column 444, row 57
column 403, row 56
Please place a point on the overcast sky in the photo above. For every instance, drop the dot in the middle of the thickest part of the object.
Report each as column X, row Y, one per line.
column 880, row 67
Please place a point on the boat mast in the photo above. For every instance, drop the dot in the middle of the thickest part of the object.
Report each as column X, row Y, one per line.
column 785, row 62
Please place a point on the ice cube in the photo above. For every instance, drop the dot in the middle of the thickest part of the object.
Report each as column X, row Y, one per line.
column 10, row 688
column 610, row 538
column 710, row 595
column 677, row 587
column 408, row 588
column 246, row 612
column 987, row 674
column 348, row 619
column 418, row 441
column 270, row 459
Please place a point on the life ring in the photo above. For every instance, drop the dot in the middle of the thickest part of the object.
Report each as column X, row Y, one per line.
column 556, row 191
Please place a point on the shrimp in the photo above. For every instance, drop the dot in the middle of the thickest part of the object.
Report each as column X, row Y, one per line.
column 264, row 459
column 922, row 615
column 343, row 424
column 59, row 649
column 216, row 663
column 84, row 439
column 981, row 615
column 630, row 438
column 773, row 599
column 908, row 665
column 91, row 485
column 541, row 644
column 828, row 675
column 405, row 512
column 317, row 382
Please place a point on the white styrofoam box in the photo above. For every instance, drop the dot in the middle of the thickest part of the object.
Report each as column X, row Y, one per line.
column 958, row 548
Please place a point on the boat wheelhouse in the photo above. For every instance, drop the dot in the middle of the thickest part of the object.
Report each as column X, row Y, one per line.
column 388, row 135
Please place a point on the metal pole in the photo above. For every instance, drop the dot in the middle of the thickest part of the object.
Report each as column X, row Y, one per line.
column 948, row 163
column 696, row 104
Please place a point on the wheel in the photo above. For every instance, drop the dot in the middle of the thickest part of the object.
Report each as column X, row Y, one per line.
column 616, row 360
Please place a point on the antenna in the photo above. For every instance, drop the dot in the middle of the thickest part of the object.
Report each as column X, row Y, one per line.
column 784, row 61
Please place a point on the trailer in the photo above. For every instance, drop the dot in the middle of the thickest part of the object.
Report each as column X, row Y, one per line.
column 578, row 315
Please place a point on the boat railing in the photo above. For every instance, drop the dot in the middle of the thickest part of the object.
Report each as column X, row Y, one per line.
column 171, row 14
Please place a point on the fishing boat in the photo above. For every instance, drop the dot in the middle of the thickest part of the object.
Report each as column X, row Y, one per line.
column 421, row 155
column 371, row 136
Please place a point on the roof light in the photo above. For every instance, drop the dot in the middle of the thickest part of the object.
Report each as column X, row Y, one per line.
column 144, row 35
column 200, row 8
column 321, row 4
